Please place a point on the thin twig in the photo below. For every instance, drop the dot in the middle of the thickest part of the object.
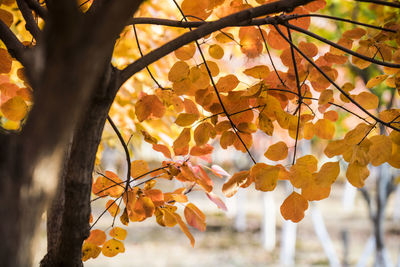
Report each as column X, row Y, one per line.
column 141, row 54
column 127, row 156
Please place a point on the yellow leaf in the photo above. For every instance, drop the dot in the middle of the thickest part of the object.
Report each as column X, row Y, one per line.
column 314, row 192
column 232, row 185
column 357, row 134
column 224, row 37
column 203, row 132
column 390, row 115
column 380, row 150
column 265, row 177
column 301, row 171
column 324, row 129
column 325, row 97
column 14, row 109
column 258, row 72
column 178, row 72
column 112, row 208
column 335, row 148
column 265, row 124
column 328, row 174
column 356, row 174
column 195, row 217
column 227, row 83
column 139, row 168
column 278, row 151
column 376, row 80
column 183, row 139
column 293, row 207
column 186, row 119
column 227, row 139
column 367, row 100
column 216, row 51
column 118, row 233
column 90, row 250
column 185, row 52
column 112, row 247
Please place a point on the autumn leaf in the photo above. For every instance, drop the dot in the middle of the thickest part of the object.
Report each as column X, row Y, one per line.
column 90, row 250
column 265, row 177
column 139, row 168
column 277, row 151
column 195, row 217
column 232, row 185
column 14, row 109
column 356, row 174
column 97, row 237
column 328, row 174
column 380, row 150
column 112, row 247
column 118, row 233
column 293, row 207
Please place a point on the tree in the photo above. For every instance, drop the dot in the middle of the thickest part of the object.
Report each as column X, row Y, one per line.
column 68, row 53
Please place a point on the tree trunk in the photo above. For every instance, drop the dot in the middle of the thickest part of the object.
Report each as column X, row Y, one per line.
column 68, row 218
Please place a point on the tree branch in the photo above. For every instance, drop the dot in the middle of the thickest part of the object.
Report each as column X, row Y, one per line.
column 39, row 9
column 30, row 23
column 383, row 3
column 14, row 46
column 203, row 30
column 253, row 22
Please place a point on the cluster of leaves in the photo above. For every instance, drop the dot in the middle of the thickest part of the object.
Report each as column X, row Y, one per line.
column 16, row 94
column 296, row 102
column 142, row 203
column 251, row 75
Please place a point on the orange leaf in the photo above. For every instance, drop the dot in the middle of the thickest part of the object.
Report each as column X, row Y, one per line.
column 324, row 129
column 90, row 250
column 156, row 196
column 118, row 233
column 277, row 151
column 163, row 149
column 265, row 177
column 112, row 247
column 14, row 109
column 216, row 51
column 356, row 174
column 149, row 105
column 367, row 100
column 185, row 52
column 97, row 237
column 258, row 72
column 227, row 83
column 194, row 217
column 293, row 207
column 328, row 174
column 139, row 168
column 201, row 150
column 232, row 185
column 112, row 208
column 184, row 229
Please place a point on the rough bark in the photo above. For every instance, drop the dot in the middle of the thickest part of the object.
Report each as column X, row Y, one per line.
column 68, row 219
